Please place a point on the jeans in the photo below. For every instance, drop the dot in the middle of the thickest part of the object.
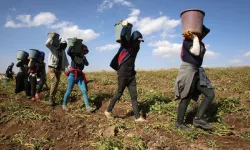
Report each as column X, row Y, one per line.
column 80, row 82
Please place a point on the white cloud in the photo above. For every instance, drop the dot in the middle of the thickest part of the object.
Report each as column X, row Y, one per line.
column 108, row 47
column 148, row 25
column 211, row 54
column 60, row 25
column 43, row 18
column 64, row 28
column 74, row 31
column 133, row 16
column 247, row 54
column 235, row 61
column 135, row 12
column 107, row 4
column 165, row 49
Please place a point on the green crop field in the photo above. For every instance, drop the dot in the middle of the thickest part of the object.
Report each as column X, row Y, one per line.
column 35, row 125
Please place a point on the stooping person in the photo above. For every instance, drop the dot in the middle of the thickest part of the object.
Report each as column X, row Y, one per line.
column 22, row 83
column 41, row 74
column 9, row 72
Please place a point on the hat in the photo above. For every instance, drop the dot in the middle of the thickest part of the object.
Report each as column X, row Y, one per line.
column 140, row 39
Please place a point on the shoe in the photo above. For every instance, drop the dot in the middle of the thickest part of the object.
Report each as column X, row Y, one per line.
column 201, row 123
column 64, row 107
column 182, row 127
column 109, row 115
column 141, row 119
column 37, row 96
column 29, row 97
column 33, row 98
column 90, row 109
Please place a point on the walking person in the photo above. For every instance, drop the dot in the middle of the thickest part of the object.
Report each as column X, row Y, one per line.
column 193, row 81
column 124, row 64
column 57, row 62
column 76, row 75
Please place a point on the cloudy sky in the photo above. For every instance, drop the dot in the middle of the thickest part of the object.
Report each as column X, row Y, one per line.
column 25, row 24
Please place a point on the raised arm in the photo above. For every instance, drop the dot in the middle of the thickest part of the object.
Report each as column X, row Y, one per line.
column 86, row 63
column 124, row 41
column 196, row 48
column 70, row 51
column 49, row 43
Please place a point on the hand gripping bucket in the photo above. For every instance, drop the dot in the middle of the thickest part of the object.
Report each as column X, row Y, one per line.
column 77, row 45
column 118, row 29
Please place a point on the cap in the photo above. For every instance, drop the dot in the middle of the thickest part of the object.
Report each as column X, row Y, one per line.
column 140, row 39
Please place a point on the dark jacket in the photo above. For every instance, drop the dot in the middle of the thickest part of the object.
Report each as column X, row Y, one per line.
column 127, row 49
column 9, row 70
column 188, row 57
column 23, row 65
column 78, row 61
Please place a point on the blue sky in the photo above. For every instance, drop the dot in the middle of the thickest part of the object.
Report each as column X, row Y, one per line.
column 25, row 24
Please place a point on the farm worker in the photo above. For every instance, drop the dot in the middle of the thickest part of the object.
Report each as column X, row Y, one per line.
column 9, row 72
column 34, row 72
column 76, row 75
column 124, row 64
column 192, row 80
column 41, row 74
column 57, row 62
column 22, row 82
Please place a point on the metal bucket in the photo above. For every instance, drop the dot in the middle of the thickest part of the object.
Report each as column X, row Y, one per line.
column 118, row 29
column 22, row 55
column 192, row 20
column 34, row 53
column 70, row 41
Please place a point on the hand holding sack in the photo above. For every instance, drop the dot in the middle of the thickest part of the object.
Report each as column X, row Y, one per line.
column 77, row 45
column 55, row 38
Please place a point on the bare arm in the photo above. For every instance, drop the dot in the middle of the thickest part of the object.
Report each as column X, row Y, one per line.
column 196, row 48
